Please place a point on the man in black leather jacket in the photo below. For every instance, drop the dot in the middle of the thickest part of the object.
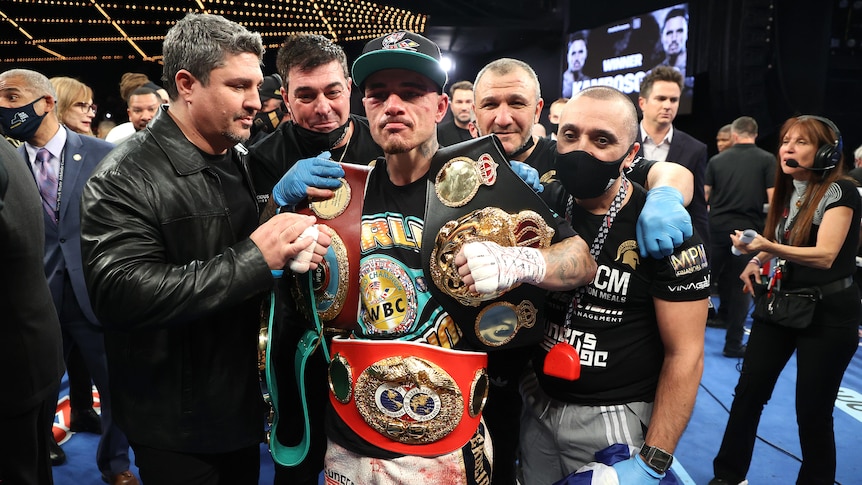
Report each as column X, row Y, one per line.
column 175, row 263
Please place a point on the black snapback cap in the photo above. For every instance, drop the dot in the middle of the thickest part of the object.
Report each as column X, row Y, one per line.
column 400, row 50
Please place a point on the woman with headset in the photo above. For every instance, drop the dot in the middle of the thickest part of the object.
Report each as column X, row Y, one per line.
column 810, row 238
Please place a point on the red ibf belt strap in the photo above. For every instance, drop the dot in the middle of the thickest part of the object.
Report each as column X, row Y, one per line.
column 408, row 398
column 336, row 281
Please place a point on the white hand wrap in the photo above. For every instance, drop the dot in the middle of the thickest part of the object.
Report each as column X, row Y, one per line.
column 300, row 263
column 498, row 268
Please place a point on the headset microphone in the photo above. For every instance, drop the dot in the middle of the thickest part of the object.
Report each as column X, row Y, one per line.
column 794, row 164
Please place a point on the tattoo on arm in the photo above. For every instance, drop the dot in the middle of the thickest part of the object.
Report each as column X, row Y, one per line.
column 570, row 263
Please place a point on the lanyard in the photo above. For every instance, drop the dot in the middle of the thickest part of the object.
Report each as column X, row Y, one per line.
column 62, row 168
column 60, row 183
column 598, row 242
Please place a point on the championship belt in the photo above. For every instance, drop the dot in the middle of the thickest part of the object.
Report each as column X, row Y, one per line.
column 473, row 195
column 335, row 282
column 407, row 397
column 328, row 297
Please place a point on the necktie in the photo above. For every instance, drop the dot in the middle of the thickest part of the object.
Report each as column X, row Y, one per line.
column 47, row 180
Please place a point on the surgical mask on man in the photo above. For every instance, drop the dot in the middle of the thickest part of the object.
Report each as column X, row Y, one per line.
column 316, row 142
column 585, row 176
column 21, row 123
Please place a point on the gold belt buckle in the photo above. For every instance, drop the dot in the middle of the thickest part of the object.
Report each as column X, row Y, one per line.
column 526, row 229
column 409, row 399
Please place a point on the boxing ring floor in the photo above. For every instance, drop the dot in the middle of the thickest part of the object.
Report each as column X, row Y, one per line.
column 776, row 453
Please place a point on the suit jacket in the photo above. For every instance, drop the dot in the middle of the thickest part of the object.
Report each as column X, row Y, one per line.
column 31, row 347
column 80, row 156
column 691, row 154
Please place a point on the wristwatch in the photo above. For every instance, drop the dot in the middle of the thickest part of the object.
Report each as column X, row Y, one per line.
column 657, row 459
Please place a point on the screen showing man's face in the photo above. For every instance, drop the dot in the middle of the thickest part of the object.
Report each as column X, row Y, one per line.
column 675, row 35
column 577, row 55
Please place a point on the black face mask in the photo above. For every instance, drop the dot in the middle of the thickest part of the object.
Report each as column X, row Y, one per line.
column 21, row 123
column 584, row 176
column 268, row 121
column 316, row 142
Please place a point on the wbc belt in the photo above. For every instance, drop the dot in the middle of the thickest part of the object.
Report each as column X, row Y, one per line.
column 473, row 195
column 406, row 397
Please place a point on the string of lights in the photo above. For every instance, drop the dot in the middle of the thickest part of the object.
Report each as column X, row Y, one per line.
column 66, row 30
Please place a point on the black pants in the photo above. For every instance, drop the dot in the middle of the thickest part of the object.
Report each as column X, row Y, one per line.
column 823, row 354
column 502, row 411
column 24, row 458
column 164, row 467
column 726, row 268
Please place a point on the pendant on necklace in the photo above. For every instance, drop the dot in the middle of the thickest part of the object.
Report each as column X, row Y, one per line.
column 798, row 203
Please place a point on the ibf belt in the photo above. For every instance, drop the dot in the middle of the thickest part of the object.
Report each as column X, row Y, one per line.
column 408, row 398
column 473, row 195
column 335, row 282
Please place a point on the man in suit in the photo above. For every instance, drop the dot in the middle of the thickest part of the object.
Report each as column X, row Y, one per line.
column 659, row 101
column 31, row 359
column 61, row 161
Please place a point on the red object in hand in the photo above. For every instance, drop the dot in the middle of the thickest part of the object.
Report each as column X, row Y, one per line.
column 563, row 361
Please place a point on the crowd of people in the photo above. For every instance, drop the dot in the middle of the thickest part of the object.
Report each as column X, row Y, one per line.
column 150, row 257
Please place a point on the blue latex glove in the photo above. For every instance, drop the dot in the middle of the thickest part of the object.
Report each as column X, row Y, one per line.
column 320, row 172
column 528, row 174
column 635, row 471
column 663, row 224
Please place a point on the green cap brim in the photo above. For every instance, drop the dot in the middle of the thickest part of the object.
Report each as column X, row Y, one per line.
column 379, row 60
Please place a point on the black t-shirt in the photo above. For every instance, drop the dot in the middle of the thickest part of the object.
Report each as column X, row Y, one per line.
column 273, row 156
column 396, row 303
column 449, row 134
column 842, row 193
column 614, row 327
column 243, row 214
column 739, row 177
column 841, row 308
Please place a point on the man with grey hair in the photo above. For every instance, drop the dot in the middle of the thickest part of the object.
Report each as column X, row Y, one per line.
column 633, row 351
column 176, row 263
column 739, row 181
column 508, row 102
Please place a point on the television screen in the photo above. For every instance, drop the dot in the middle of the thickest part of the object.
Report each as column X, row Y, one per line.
column 621, row 53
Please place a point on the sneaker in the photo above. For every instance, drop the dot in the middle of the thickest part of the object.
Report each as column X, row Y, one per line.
column 736, row 353
column 721, row 481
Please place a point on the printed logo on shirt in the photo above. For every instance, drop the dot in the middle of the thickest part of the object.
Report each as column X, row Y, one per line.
column 444, row 332
column 694, row 285
column 610, row 284
column 391, row 231
column 586, row 343
column 388, row 297
column 627, row 253
column 334, row 478
column 689, row 260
